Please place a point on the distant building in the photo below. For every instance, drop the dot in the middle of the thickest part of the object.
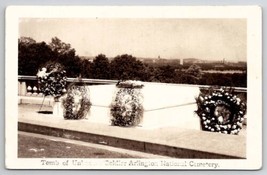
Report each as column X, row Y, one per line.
column 191, row 61
column 218, row 66
column 181, row 61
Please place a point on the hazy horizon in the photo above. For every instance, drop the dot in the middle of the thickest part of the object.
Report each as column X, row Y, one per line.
column 206, row 39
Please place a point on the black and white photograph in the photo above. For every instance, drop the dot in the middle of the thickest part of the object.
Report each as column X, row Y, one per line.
column 133, row 87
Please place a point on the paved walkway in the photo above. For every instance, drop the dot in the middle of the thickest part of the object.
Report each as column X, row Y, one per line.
column 32, row 145
column 169, row 141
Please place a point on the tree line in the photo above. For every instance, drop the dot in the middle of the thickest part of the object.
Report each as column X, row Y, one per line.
column 33, row 55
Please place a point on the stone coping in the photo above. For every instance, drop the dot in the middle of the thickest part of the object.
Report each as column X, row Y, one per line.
column 168, row 141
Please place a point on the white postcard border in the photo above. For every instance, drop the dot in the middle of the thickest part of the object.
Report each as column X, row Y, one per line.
column 253, row 15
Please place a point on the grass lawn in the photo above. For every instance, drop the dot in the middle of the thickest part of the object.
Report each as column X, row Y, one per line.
column 33, row 147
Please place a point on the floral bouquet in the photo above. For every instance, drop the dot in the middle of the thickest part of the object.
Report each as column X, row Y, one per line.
column 127, row 108
column 77, row 103
column 130, row 84
column 52, row 80
column 221, row 111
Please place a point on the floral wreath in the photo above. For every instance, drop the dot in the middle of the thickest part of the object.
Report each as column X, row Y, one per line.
column 221, row 111
column 127, row 108
column 77, row 103
column 52, row 79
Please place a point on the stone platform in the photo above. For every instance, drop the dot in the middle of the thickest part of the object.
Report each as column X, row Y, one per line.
column 168, row 141
column 164, row 105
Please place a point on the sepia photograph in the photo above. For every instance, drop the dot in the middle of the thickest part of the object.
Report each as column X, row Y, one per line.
column 110, row 88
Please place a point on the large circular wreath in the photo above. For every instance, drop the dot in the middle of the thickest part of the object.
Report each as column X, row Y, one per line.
column 52, row 79
column 221, row 111
column 77, row 103
column 127, row 108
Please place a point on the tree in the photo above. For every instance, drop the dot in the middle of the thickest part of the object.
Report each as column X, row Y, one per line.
column 166, row 74
column 25, row 41
column 124, row 67
column 65, row 55
column 32, row 55
column 192, row 75
column 60, row 47
column 148, row 74
column 101, row 67
column 86, row 68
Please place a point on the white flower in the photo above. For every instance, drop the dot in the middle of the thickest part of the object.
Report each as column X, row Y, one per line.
column 239, row 124
column 77, row 99
column 234, row 132
column 128, row 107
column 126, row 98
column 220, row 119
column 42, row 73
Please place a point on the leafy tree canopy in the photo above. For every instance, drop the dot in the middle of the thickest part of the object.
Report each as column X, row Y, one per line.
column 125, row 67
column 60, row 47
column 101, row 67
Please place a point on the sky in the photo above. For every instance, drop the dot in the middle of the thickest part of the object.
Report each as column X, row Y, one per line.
column 209, row 39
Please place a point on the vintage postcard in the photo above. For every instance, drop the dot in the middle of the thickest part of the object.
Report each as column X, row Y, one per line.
column 141, row 87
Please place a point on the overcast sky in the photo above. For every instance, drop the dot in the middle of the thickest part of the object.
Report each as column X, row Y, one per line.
column 210, row 39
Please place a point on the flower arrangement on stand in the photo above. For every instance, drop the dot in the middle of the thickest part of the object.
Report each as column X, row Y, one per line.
column 221, row 111
column 77, row 102
column 52, row 81
column 127, row 108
